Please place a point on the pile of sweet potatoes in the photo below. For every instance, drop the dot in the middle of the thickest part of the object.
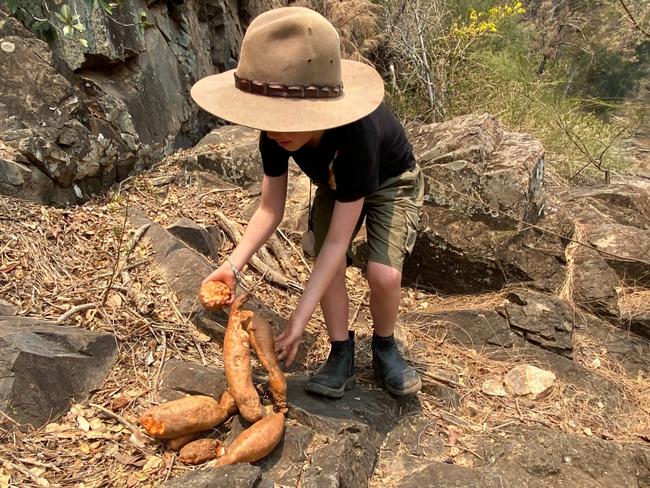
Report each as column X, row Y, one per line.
column 179, row 421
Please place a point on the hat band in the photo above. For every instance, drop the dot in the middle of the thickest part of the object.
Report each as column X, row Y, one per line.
column 288, row 91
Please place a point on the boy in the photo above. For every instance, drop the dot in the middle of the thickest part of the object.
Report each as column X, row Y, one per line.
column 328, row 115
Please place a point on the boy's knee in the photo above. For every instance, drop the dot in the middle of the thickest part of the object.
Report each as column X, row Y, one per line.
column 383, row 278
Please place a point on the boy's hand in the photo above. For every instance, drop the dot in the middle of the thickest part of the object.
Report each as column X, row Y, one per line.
column 224, row 274
column 286, row 344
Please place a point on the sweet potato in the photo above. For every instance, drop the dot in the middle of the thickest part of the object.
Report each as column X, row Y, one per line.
column 261, row 338
column 237, row 363
column 184, row 416
column 214, row 295
column 179, row 442
column 254, row 443
column 199, row 451
column 227, row 402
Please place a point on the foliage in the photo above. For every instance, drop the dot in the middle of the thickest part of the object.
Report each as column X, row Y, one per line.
column 481, row 23
column 557, row 70
column 41, row 17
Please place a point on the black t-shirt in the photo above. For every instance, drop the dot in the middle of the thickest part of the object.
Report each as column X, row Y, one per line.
column 354, row 159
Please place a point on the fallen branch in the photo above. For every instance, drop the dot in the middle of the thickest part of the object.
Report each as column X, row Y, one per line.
column 75, row 310
column 134, row 240
column 440, row 379
column 142, row 439
column 270, row 274
column 295, row 250
column 280, row 253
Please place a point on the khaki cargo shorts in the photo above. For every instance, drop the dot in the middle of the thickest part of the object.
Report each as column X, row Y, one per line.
column 391, row 213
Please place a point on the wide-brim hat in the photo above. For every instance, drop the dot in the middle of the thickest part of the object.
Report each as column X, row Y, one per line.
column 291, row 78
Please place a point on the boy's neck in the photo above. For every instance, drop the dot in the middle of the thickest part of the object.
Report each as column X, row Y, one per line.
column 316, row 138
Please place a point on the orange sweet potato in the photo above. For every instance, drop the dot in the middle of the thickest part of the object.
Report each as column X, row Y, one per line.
column 179, row 442
column 199, row 451
column 237, row 363
column 184, row 416
column 214, row 295
column 254, row 443
column 261, row 338
column 227, row 402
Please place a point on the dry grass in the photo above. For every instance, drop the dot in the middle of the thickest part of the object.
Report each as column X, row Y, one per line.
column 52, row 260
column 633, row 301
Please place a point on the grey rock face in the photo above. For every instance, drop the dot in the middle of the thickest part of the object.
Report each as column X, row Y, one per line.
column 238, row 475
column 542, row 320
column 196, row 237
column 84, row 117
column 45, row 366
column 7, row 308
column 180, row 378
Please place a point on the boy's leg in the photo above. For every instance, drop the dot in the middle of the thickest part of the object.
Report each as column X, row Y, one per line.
column 336, row 374
column 385, row 285
column 391, row 224
column 335, row 304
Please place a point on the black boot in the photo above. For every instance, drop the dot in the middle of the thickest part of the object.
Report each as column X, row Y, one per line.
column 391, row 370
column 336, row 375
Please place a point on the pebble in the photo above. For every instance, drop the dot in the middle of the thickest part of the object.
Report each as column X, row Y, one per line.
column 7, row 46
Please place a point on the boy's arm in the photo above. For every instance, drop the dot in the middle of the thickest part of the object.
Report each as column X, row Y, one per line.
column 264, row 221
column 344, row 219
column 262, row 224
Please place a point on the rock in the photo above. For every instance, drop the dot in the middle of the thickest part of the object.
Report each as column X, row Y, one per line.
column 489, row 333
column 7, row 47
column 638, row 323
column 625, row 204
column 626, row 250
column 45, row 366
column 180, row 378
column 182, row 268
column 284, row 465
column 356, row 425
column 196, row 236
column 494, row 387
column 442, row 475
column 410, row 445
column 474, row 329
column 529, row 380
column 473, row 167
column 6, row 308
column 482, row 185
column 541, row 457
column 93, row 122
column 357, row 411
column 31, row 129
column 625, row 349
column 542, row 320
column 232, row 152
column 11, row 26
column 237, row 475
column 593, row 282
column 339, row 463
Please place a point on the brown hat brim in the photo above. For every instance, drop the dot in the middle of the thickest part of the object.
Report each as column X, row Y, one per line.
column 363, row 91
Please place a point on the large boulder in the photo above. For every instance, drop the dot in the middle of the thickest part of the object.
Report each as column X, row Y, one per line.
column 483, row 185
column 45, row 366
column 611, row 246
column 473, row 166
